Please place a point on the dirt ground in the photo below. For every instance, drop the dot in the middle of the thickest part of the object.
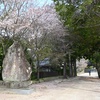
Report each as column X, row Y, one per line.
column 83, row 87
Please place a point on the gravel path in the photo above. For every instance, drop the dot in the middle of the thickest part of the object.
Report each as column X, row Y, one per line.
column 83, row 87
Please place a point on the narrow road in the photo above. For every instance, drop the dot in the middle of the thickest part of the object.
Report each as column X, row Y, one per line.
column 82, row 87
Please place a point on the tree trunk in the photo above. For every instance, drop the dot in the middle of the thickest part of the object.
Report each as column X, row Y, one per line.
column 38, row 68
column 75, row 71
column 98, row 69
column 64, row 71
column 37, row 57
column 70, row 67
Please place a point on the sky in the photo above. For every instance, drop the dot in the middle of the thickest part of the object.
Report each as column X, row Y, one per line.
column 41, row 2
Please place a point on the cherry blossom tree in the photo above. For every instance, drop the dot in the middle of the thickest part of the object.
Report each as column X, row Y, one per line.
column 45, row 26
column 37, row 27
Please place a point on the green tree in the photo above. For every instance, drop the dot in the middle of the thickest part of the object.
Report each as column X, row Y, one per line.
column 82, row 19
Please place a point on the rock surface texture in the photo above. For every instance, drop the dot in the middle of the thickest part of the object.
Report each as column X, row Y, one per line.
column 15, row 66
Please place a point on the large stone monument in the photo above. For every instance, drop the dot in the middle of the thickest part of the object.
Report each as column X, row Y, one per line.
column 16, row 69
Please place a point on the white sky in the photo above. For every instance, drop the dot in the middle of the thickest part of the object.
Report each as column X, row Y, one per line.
column 41, row 2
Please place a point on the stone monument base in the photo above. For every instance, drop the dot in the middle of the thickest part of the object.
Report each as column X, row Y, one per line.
column 16, row 85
